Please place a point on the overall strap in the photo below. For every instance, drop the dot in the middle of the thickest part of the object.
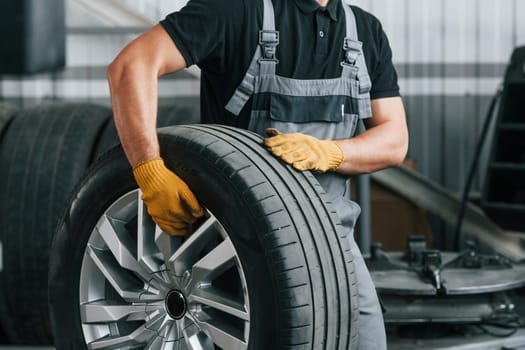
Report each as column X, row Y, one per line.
column 263, row 61
column 354, row 64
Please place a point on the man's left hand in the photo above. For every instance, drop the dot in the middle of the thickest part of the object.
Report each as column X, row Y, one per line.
column 304, row 152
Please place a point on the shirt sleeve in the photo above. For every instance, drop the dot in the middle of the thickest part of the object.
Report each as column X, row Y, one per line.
column 198, row 29
column 383, row 75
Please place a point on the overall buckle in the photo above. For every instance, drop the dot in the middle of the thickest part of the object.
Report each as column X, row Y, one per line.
column 269, row 40
column 353, row 49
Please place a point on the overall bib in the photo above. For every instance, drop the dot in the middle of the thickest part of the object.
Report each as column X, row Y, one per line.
column 326, row 109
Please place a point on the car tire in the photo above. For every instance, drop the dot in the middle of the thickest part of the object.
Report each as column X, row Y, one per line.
column 268, row 267
column 6, row 113
column 43, row 153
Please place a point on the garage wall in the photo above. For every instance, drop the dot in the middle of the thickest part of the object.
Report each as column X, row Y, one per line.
column 450, row 56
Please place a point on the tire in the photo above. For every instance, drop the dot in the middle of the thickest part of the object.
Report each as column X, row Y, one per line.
column 166, row 116
column 267, row 268
column 43, row 154
column 6, row 113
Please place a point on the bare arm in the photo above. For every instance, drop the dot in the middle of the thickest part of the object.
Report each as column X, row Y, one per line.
column 383, row 145
column 133, row 81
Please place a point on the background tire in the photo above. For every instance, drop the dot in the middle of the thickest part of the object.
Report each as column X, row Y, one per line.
column 6, row 113
column 43, row 154
column 294, row 260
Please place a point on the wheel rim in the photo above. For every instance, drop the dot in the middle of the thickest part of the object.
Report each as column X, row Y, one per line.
column 140, row 288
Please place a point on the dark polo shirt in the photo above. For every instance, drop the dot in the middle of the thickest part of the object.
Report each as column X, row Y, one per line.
column 221, row 36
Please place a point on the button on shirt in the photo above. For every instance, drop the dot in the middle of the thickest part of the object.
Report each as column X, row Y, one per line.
column 323, row 17
column 322, row 24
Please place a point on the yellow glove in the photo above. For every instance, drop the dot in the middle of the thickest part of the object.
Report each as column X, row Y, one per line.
column 169, row 200
column 304, row 152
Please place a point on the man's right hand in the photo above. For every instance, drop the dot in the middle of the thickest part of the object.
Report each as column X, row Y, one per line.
column 169, row 200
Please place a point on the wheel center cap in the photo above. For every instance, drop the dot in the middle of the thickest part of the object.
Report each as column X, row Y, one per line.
column 176, row 304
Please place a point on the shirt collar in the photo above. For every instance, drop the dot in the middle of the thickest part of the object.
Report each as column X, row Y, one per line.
column 309, row 6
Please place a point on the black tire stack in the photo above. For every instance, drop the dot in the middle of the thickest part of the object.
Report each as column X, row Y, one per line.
column 43, row 153
column 7, row 112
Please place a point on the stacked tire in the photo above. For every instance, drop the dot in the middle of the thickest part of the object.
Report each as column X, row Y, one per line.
column 44, row 151
column 7, row 112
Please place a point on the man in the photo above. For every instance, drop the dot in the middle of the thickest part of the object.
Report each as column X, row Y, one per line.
column 300, row 72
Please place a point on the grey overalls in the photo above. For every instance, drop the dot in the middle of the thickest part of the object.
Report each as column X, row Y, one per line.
column 326, row 109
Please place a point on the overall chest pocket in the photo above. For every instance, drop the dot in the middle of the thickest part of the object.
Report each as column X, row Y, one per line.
column 321, row 108
column 320, row 116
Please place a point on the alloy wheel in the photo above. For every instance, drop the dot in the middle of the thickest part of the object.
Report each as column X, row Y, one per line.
column 141, row 288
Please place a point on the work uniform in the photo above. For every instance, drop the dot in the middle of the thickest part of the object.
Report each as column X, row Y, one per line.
column 297, row 67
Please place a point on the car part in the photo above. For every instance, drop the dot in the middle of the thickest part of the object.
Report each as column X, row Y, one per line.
column 267, row 268
column 43, row 153
column 423, row 271
column 6, row 113
column 449, row 300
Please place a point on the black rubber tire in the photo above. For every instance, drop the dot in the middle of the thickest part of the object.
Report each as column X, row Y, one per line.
column 301, row 274
column 166, row 116
column 43, row 154
column 6, row 113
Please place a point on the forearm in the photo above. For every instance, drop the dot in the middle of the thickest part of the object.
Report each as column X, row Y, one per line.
column 133, row 82
column 384, row 144
column 134, row 100
column 375, row 149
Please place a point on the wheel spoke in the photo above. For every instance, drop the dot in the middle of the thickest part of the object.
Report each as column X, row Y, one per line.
column 168, row 345
column 175, row 339
column 182, row 345
column 188, row 253
column 102, row 312
column 167, row 244
column 170, row 332
column 177, row 344
column 224, row 336
column 164, row 326
column 137, row 338
column 212, row 265
column 124, row 283
column 148, row 253
column 221, row 301
column 198, row 340
column 121, row 245
column 155, row 344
